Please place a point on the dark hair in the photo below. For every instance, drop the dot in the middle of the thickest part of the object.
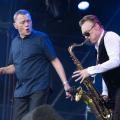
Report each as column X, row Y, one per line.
column 22, row 12
column 92, row 18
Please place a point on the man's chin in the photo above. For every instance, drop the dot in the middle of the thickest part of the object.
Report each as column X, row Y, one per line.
column 28, row 33
column 93, row 42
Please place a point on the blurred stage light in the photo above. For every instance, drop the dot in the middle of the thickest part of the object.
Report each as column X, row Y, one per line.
column 83, row 5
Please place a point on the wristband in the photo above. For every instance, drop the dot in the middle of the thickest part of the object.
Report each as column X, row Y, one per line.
column 65, row 82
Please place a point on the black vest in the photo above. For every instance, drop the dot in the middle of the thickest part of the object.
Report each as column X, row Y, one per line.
column 111, row 77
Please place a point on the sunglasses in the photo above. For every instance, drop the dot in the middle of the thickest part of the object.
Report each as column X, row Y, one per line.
column 87, row 34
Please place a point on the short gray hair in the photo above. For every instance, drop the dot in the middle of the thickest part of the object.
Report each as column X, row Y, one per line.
column 92, row 18
column 20, row 12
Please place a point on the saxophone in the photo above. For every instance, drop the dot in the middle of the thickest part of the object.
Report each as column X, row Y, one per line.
column 92, row 98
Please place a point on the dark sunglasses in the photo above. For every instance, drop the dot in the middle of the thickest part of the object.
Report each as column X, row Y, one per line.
column 87, row 34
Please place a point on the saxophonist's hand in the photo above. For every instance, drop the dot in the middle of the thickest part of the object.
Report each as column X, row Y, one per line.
column 81, row 75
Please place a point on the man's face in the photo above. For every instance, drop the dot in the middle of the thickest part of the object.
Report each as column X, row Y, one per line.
column 23, row 24
column 90, row 32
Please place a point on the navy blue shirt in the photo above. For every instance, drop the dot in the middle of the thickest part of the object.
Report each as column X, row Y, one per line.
column 31, row 57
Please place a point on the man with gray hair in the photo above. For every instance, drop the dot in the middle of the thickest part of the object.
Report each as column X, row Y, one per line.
column 31, row 54
column 107, row 44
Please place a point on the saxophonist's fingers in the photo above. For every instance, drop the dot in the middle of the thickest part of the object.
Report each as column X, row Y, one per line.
column 77, row 71
column 78, row 79
column 75, row 75
column 82, row 79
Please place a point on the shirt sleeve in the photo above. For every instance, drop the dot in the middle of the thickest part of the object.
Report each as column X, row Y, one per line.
column 48, row 48
column 112, row 45
column 104, row 88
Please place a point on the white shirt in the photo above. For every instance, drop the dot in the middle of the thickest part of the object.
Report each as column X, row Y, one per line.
column 112, row 45
column 104, row 88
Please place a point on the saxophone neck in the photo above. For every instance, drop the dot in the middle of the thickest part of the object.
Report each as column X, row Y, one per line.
column 84, row 42
column 77, row 45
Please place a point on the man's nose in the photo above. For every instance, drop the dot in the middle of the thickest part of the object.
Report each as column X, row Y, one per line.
column 26, row 23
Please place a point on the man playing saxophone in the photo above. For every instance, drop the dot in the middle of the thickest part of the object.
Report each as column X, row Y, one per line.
column 107, row 44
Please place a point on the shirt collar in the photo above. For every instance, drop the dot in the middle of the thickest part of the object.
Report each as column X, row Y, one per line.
column 28, row 36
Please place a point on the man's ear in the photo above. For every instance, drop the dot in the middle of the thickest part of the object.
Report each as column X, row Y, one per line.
column 14, row 24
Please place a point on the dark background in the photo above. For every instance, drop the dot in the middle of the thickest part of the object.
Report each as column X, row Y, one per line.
column 58, row 18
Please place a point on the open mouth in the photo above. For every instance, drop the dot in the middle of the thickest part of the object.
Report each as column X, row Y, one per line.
column 28, row 30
